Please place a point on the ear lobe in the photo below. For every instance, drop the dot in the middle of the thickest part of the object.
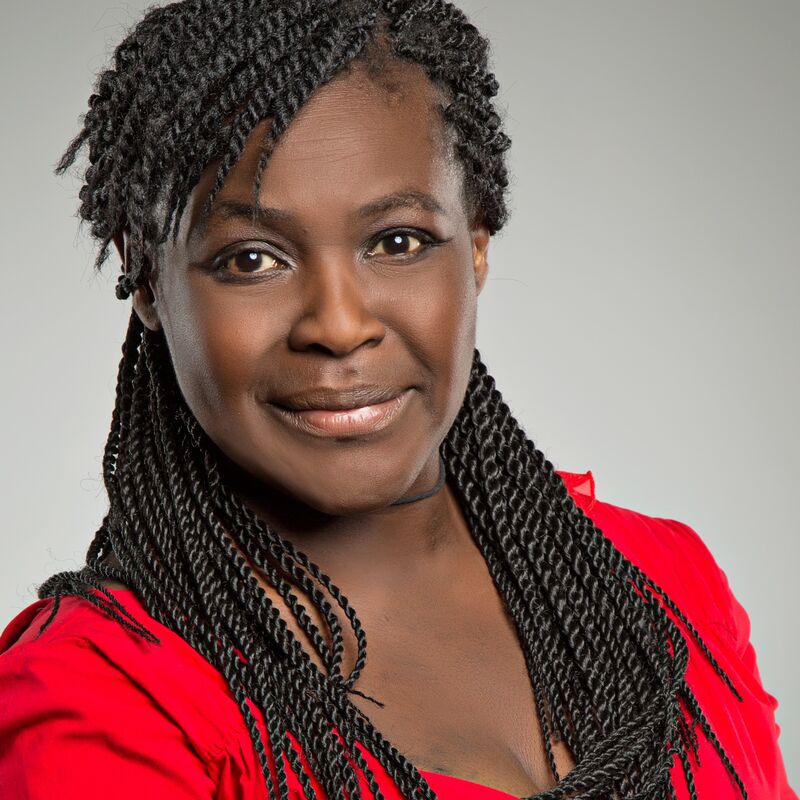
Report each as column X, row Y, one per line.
column 480, row 254
column 143, row 298
column 120, row 239
column 144, row 304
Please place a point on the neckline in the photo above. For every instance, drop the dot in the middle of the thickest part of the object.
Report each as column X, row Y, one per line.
column 427, row 773
column 465, row 781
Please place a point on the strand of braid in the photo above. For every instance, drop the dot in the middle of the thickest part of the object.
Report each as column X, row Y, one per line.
column 606, row 661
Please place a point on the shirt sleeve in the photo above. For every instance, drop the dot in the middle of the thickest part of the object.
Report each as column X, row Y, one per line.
column 74, row 725
column 770, row 753
column 764, row 729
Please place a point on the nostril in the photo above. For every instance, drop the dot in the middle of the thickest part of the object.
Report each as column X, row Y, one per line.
column 336, row 330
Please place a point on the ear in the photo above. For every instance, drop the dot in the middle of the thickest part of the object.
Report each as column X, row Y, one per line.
column 480, row 253
column 144, row 297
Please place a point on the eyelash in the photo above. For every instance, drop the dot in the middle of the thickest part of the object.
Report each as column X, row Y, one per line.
column 427, row 240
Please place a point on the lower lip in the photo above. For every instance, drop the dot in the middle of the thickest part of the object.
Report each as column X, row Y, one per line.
column 347, row 421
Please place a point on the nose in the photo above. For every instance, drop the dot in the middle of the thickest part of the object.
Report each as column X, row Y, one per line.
column 334, row 318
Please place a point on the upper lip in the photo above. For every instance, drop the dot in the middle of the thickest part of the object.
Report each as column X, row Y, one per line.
column 331, row 399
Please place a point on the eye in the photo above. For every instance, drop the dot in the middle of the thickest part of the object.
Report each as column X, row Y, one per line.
column 399, row 243
column 249, row 262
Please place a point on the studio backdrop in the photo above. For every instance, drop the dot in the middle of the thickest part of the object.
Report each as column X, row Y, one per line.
column 640, row 316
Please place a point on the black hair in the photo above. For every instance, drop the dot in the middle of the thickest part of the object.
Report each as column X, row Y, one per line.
column 606, row 662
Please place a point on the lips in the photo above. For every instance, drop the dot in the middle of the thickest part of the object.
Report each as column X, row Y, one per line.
column 354, row 411
column 338, row 399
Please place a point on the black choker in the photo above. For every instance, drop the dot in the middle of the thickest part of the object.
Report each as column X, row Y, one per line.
column 439, row 483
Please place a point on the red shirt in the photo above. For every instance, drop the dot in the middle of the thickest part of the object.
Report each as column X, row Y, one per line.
column 89, row 710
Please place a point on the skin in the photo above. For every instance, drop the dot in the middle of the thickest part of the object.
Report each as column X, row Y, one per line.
column 329, row 307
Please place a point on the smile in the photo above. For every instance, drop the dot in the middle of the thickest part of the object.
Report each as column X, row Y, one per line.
column 357, row 421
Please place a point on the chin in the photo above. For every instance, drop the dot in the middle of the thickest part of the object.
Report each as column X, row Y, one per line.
column 351, row 501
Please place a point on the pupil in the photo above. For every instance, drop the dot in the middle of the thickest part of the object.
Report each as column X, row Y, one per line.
column 249, row 261
column 397, row 244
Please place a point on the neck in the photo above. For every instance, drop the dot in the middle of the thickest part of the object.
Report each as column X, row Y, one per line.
column 388, row 545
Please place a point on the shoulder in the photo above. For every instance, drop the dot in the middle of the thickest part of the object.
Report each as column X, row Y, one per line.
column 670, row 552
column 88, row 691
column 675, row 557
column 82, row 634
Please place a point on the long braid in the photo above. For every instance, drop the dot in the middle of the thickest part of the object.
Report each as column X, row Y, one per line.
column 606, row 662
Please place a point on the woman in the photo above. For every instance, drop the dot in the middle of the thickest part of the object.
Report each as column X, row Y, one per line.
column 307, row 453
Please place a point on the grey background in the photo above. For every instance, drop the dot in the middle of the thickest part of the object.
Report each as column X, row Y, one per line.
column 641, row 314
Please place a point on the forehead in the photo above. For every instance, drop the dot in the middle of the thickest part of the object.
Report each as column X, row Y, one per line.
column 394, row 106
column 372, row 131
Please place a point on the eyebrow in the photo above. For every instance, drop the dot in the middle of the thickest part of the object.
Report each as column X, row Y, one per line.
column 407, row 199
column 265, row 217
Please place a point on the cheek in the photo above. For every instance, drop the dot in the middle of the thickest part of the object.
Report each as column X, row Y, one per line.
column 458, row 303
column 439, row 321
column 216, row 343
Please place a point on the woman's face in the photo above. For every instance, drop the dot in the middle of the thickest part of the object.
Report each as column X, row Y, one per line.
column 352, row 285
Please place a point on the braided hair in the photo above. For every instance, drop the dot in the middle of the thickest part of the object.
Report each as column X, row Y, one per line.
column 606, row 662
